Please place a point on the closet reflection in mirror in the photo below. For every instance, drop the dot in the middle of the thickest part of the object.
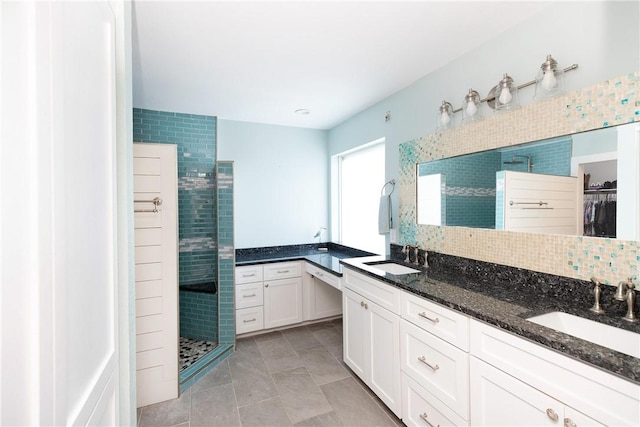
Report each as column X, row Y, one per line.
column 580, row 184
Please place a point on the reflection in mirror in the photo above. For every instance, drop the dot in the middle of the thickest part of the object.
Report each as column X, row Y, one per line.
column 564, row 185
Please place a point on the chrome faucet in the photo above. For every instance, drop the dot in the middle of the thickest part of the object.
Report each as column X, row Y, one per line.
column 596, row 293
column 626, row 293
column 407, row 249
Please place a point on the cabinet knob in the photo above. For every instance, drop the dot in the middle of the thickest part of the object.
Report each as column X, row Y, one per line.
column 266, row 285
column 361, row 303
column 568, row 422
column 552, row 414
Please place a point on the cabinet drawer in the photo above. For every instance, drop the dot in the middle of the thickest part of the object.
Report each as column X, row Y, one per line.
column 386, row 296
column 249, row 295
column 436, row 365
column 249, row 320
column 419, row 407
column 318, row 273
column 598, row 394
column 248, row 274
column 282, row 270
column 440, row 321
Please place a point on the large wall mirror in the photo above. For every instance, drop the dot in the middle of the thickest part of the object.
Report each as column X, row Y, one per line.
column 580, row 184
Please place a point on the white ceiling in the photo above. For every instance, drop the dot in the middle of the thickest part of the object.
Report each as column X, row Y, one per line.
column 261, row 61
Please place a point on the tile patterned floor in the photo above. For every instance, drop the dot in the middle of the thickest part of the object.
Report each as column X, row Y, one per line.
column 294, row 377
column 192, row 350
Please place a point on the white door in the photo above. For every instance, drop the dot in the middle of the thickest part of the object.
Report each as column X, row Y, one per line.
column 156, row 254
column 59, row 253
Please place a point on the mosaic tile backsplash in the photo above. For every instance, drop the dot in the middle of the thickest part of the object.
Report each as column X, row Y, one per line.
column 613, row 102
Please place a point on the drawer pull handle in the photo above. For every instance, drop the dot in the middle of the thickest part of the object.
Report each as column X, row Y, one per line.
column 250, row 320
column 552, row 414
column 249, row 275
column 282, row 271
column 424, row 316
column 364, row 304
column 424, row 418
column 568, row 422
column 248, row 296
column 434, row 367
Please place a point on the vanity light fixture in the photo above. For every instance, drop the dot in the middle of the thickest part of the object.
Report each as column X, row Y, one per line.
column 550, row 80
column 506, row 94
column 470, row 107
column 445, row 116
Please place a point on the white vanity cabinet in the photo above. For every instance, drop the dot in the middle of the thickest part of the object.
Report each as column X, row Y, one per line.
column 371, row 335
column 282, row 294
column 517, row 382
column 435, row 363
column 268, row 296
column 249, row 299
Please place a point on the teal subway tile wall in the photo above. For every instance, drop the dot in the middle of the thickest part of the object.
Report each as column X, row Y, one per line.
column 226, row 253
column 551, row 157
column 195, row 138
column 469, row 194
column 199, row 315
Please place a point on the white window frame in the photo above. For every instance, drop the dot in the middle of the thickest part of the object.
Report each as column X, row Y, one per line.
column 336, row 188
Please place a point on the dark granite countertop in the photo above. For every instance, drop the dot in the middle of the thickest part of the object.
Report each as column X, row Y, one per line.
column 324, row 255
column 505, row 296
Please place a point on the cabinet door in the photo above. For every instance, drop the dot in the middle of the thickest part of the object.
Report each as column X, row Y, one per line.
column 383, row 340
column 498, row 399
column 354, row 329
column 282, row 302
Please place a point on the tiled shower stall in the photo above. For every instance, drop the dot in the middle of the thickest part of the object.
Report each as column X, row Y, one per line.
column 205, row 233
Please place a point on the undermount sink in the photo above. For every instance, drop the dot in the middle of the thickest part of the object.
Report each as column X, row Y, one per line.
column 617, row 339
column 393, row 268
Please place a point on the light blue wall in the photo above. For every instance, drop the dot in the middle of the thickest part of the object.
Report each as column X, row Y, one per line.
column 281, row 182
column 602, row 37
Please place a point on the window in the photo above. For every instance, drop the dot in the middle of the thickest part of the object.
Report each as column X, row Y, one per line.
column 358, row 178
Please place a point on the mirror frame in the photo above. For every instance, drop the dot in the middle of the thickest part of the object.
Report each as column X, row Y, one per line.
column 610, row 103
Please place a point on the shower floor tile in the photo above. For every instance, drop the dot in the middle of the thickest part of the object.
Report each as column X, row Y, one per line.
column 191, row 350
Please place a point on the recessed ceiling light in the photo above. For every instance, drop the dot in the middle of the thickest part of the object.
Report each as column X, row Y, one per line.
column 303, row 111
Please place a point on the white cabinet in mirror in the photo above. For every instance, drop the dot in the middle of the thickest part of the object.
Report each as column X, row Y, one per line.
column 580, row 184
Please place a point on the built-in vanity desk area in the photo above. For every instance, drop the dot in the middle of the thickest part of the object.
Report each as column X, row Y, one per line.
column 279, row 286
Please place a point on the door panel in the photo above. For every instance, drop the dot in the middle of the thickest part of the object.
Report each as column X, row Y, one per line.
column 156, row 273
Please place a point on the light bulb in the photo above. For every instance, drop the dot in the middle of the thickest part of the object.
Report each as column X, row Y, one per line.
column 471, row 109
column 505, row 96
column 444, row 118
column 549, row 80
